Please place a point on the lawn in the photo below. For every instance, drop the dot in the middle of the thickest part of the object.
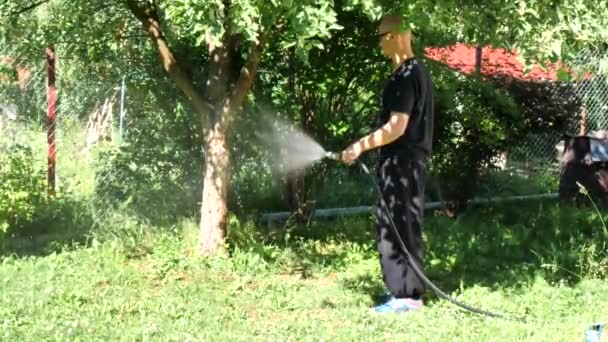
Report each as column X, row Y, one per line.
column 309, row 282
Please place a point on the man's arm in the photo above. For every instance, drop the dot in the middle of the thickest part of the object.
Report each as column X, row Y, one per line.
column 389, row 132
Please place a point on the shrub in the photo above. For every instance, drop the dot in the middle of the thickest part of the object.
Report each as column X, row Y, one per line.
column 546, row 106
column 150, row 181
column 157, row 171
column 22, row 190
column 474, row 122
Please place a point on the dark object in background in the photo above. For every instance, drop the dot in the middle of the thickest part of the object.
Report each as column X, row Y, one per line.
column 584, row 160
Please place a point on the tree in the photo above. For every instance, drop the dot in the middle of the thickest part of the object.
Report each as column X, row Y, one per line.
column 333, row 102
column 233, row 35
column 539, row 30
column 223, row 41
column 229, row 36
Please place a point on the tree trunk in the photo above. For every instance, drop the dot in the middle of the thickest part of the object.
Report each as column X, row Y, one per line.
column 216, row 105
column 214, row 209
column 295, row 195
column 478, row 58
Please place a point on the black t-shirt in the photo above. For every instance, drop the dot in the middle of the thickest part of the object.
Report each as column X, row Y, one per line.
column 409, row 90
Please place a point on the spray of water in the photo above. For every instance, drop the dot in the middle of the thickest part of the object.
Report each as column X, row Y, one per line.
column 294, row 149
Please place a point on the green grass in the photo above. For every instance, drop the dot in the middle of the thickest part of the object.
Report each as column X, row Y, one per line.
column 312, row 283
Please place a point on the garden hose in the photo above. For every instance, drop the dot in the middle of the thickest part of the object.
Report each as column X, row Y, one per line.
column 427, row 281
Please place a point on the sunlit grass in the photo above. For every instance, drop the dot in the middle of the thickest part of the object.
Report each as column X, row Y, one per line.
column 317, row 283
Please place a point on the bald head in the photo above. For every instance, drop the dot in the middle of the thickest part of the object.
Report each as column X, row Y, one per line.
column 395, row 36
column 391, row 23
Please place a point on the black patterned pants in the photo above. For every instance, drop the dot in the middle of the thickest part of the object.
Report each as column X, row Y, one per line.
column 402, row 183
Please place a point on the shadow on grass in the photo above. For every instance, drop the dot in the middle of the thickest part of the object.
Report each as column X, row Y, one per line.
column 63, row 224
column 508, row 246
column 502, row 247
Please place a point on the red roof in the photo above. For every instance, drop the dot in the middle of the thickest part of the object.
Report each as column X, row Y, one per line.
column 496, row 62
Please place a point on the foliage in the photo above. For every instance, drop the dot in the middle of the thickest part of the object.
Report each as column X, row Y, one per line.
column 254, row 189
column 475, row 121
column 299, row 23
column 156, row 172
column 546, row 106
column 104, row 42
column 22, row 190
column 514, row 182
column 39, row 224
column 520, row 241
column 528, row 238
column 334, row 103
column 540, row 30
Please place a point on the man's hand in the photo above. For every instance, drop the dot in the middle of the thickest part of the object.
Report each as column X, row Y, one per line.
column 393, row 129
column 351, row 154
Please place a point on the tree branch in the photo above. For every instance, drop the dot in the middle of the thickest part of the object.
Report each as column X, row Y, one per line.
column 25, row 9
column 221, row 59
column 147, row 13
column 247, row 76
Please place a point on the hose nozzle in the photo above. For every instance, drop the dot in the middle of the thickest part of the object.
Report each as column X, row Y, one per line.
column 333, row 155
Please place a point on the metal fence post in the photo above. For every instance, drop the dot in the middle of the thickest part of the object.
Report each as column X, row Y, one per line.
column 122, row 110
column 51, row 118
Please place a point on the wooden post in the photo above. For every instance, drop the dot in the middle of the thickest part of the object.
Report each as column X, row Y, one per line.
column 478, row 55
column 51, row 116
column 583, row 128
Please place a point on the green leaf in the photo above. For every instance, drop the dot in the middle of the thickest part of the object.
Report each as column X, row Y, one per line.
column 563, row 75
column 556, row 47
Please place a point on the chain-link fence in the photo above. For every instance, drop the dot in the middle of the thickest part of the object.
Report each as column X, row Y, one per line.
column 87, row 112
column 90, row 111
column 592, row 89
column 23, row 89
column 588, row 88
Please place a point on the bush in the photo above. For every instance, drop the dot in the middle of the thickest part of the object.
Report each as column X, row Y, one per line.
column 157, row 171
column 547, row 106
column 511, row 182
column 152, row 183
column 22, row 190
column 31, row 221
column 515, row 242
column 474, row 122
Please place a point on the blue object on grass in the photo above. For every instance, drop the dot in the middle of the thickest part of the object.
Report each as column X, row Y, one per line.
column 399, row 305
column 594, row 332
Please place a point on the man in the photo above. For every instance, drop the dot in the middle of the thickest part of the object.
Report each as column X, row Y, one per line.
column 405, row 142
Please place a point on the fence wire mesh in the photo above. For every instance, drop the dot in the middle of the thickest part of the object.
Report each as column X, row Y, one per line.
column 86, row 112
column 593, row 89
column 589, row 89
column 89, row 110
